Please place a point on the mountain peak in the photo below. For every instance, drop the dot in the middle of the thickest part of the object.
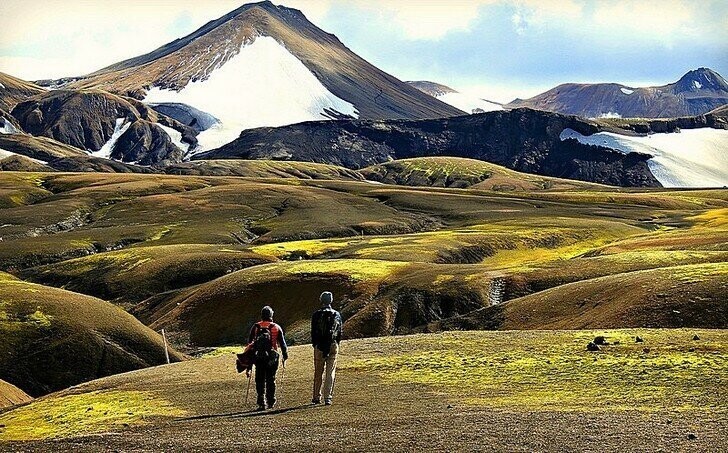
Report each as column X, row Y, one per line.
column 701, row 78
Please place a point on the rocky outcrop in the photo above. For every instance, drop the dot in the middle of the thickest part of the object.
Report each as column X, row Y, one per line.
column 521, row 139
column 696, row 93
column 90, row 119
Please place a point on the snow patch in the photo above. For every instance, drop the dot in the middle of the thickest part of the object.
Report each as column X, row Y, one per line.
column 5, row 153
column 626, row 91
column 691, row 158
column 108, row 148
column 263, row 85
column 697, row 85
column 610, row 115
column 468, row 103
column 7, row 127
column 175, row 136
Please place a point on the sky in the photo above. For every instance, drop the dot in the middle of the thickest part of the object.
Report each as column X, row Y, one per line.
column 497, row 49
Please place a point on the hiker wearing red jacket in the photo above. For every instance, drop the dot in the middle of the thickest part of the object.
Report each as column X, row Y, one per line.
column 265, row 338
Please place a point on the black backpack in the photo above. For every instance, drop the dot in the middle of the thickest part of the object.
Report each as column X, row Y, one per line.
column 328, row 327
column 263, row 342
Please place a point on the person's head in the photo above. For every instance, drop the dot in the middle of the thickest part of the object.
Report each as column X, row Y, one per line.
column 326, row 298
column 266, row 313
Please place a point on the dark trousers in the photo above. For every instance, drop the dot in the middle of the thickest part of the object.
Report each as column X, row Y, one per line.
column 265, row 379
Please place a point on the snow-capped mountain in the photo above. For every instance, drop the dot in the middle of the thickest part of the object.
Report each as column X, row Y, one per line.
column 261, row 65
column 465, row 102
column 697, row 92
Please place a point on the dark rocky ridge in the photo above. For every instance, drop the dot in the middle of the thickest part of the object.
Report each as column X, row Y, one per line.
column 697, row 92
column 86, row 120
column 521, row 139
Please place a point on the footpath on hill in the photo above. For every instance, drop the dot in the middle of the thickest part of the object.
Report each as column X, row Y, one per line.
column 514, row 391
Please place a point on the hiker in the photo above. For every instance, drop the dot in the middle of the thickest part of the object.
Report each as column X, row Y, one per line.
column 325, row 337
column 265, row 338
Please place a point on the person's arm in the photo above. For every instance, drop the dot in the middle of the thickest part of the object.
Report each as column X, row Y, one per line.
column 251, row 337
column 314, row 333
column 282, row 343
column 341, row 327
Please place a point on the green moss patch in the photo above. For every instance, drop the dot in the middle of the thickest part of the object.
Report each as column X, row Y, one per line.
column 554, row 371
column 83, row 414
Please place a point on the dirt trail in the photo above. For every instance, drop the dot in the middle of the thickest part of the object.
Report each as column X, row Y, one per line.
column 372, row 413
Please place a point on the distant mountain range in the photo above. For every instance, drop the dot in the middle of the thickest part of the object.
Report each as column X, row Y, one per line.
column 697, row 92
column 262, row 82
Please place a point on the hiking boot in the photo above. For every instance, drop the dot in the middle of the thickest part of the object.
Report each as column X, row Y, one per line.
column 261, row 407
column 315, row 401
column 271, row 404
column 327, row 402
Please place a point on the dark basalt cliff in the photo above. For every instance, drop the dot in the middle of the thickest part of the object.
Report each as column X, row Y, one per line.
column 521, row 139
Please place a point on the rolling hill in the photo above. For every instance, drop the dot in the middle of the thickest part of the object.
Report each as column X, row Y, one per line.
column 697, row 92
column 53, row 339
column 10, row 395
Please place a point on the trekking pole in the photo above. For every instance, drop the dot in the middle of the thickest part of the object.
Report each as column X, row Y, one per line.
column 247, row 392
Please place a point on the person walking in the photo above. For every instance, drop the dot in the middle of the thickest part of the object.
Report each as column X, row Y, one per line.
column 325, row 336
column 265, row 338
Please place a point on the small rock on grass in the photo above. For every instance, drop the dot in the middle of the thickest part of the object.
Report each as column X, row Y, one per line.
column 638, row 339
column 692, row 436
column 696, row 338
column 592, row 346
column 600, row 340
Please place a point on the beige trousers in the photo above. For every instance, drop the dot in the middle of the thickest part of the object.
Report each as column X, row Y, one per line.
column 324, row 373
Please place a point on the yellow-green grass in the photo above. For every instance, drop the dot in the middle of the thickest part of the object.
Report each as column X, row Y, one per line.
column 136, row 273
column 10, row 395
column 499, row 244
column 84, row 413
column 462, row 172
column 677, row 296
column 18, row 188
column 558, row 272
column 553, row 370
column 263, row 169
column 375, row 297
column 707, row 230
column 51, row 338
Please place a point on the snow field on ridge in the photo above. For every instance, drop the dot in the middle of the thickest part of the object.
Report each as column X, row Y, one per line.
column 263, row 85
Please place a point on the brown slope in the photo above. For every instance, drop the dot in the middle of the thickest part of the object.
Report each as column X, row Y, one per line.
column 373, row 92
column 14, row 90
column 51, row 339
column 22, row 163
column 696, row 93
column 10, row 395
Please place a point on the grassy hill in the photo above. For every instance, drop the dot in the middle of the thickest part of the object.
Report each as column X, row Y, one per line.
column 461, row 173
column 52, row 338
column 515, row 391
column 199, row 255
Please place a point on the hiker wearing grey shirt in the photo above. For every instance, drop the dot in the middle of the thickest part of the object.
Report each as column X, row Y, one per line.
column 325, row 337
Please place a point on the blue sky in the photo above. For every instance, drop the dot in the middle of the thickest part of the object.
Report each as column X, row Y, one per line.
column 498, row 49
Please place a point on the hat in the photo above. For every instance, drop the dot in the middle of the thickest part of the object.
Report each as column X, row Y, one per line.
column 326, row 298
